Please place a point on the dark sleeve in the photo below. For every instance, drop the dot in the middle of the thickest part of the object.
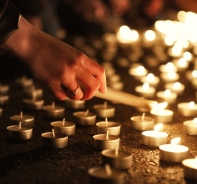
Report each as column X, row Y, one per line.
column 9, row 17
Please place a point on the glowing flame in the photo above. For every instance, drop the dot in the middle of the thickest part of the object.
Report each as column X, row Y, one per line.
column 177, row 85
column 182, row 62
column 194, row 73
column 169, row 66
column 140, row 69
column 160, row 106
column 176, row 140
column 167, row 92
column 194, row 120
column 191, row 104
column 150, row 35
column 150, row 77
column 158, row 127
column 171, row 75
column 145, row 86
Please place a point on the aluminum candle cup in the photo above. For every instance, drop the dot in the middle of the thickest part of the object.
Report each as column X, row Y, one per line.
column 119, row 160
column 33, row 93
column 173, row 153
column 66, row 127
column 83, row 118
column 75, row 104
column 142, row 123
column 53, row 112
column 112, row 127
column 26, row 120
column 154, row 138
column 187, row 110
column 190, row 127
column 101, row 142
column 104, row 111
column 190, row 168
column 59, row 141
column 18, row 134
column 162, row 116
column 32, row 104
column 24, row 82
column 4, row 99
column 98, row 175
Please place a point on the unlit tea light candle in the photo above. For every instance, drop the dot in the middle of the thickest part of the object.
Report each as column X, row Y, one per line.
column 173, row 152
column 191, row 126
column 104, row 110
column 54, row 139
column 66, row 127
column 187, row 109
column 154, row 137
column 75, row 104
column 117, row 158
column 142, row 123
column 190, row 168
column 112, row 127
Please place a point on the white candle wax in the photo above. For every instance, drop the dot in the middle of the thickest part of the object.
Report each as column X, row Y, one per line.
column 138, row 72
column 162, row 116
column 53, row 111
column 190, row 168
column 187, row 109
column 84, row 118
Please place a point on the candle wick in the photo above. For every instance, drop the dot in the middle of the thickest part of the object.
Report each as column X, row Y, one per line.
column 53, row 105
column 106, row 122
column 108, row 169
column 116, row 151
column 63, row 123
column 107, row 135
column 143, row 116
column 19, row 126
column 21, row 115
column 53, row 132
column 105, row 105
column 86, row 113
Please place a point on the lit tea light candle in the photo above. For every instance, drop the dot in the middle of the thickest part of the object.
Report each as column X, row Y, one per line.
column 117, row 158
column 173, row 152
column 105, row 174
column 154, row 137
column 175, row 51
column 188, row 56
column 26, row 120
column 84, row 118
column 104, row 110
column 169, row 67
column 4, row 99
column 112, row 127
column 145, row 90
column 182, row 64
column 190, row 168
column 138, row 72
column 175, row 87
column 106, row 141
column 19, row 133
column 54, row 139
column 166, row 96
column 187, row 109
column 75, row 104
column 4, row 89
column 142, row 123
column 53, row 111
column 191, row 126
column 160, row 114
column 66, row 127
column 191, row 75
column 151, row 79
column 170, row 77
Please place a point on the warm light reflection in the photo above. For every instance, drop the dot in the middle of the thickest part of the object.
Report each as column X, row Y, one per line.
column 145, row 86
column 177, row 85
column 150, row 35
column 167, row 92
column 194, row 120
column 176, row 140
column 191, row 104
column 158, row 127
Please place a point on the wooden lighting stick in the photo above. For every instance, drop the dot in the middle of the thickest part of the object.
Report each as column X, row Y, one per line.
column 126, row 98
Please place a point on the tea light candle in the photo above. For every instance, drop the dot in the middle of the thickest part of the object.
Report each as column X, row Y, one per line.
column 66, row 127
column 191, row 126
column 24, row 82
column 33, row 92
column 173, row 152
column 151, row 79
column 112, row 127
column 53, row 111
column 4, row 99
column 104, row 110
column 106, row 141
column 84, row 118
column 142, row 123
column 54, row 139
column 162, row 115
column 117, row 158
column 4, row 89
column 176, row 87
column 138, row 72
column 190, row 168
column 75, row 104
column 26, row 120
column 169, row 67
column 187, row 109
column 33, row 104
column 166, row 96
column 154, row 137
column 108, row 175
column 19, row 133
column 181, row 63
column 1, row 111
column 145, row 90
column 170, row 77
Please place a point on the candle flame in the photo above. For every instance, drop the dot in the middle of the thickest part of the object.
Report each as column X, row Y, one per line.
column 177, row 85
column 170, row 66
column 146, row 86
column 150, row 35
column 140, row 69
column 187, row 56
column 158, row 127
column 160, row 106
column 171, row 74
column 150, row 77
column 194, row 73
column 191, row 104
column 175, row 140
column 167, row 92
column 194, row 120
column 182, row 62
